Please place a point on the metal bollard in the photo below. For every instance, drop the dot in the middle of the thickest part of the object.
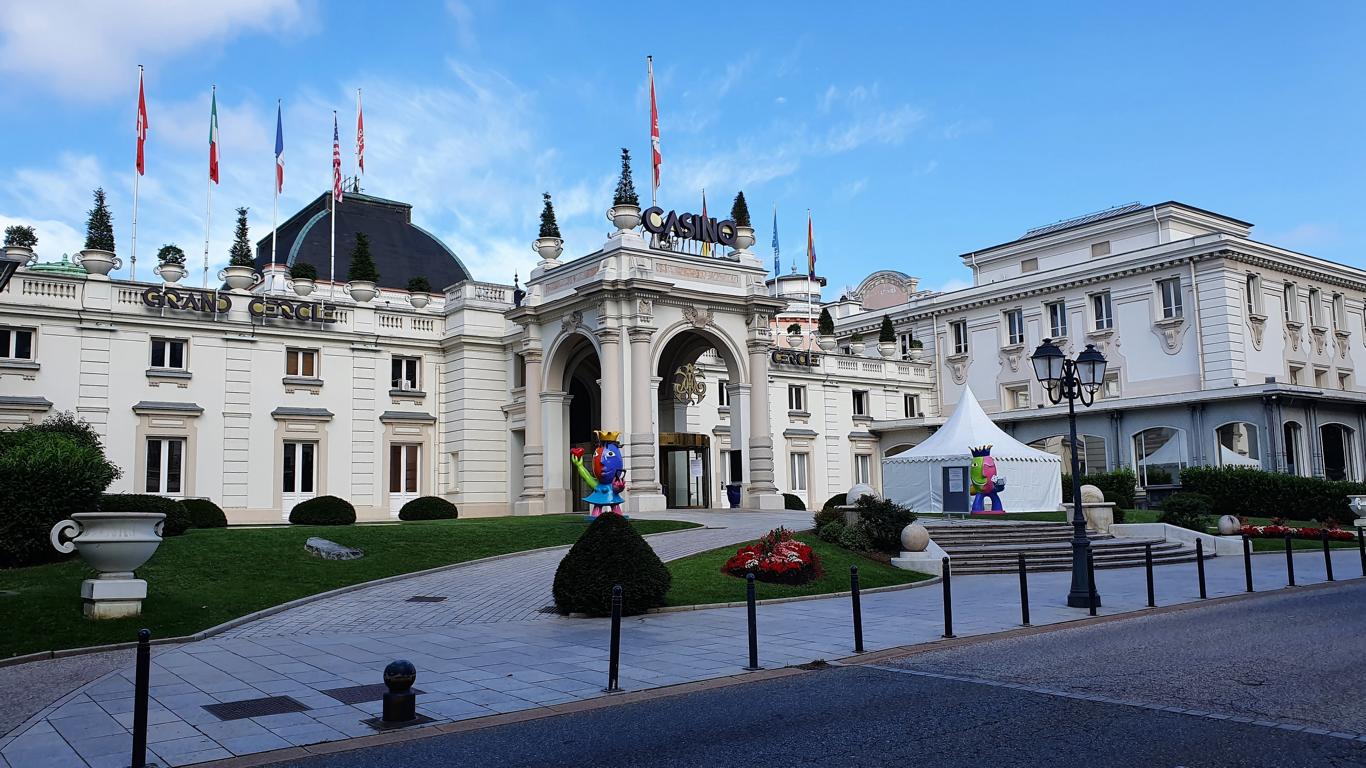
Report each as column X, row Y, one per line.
column 948, row 598
column 1327, row 556
column 1289, row 562
column 858, row 609
column 1361, row 547
column 142, row 678
column 1148, row 565
column 1024, row 592
column 753, row 624
column 400, row 703
column 1200, row 565
column 1247, row 561
column 614, row 655
column 1091, row 582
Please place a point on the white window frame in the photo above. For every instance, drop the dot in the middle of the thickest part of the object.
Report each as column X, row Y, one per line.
column 1315, row 307
column 1169, row 295
column 863, row 469
column 1290, row 298
column 1252, row 293
column 911, row 403
column 861, row 401
column 1102, row 311
column 1014, row 394
column 1339, row 312
column 958, row 329
column 10, row 346
column 163, row 479
column 723, row 394
column 167, row 344
column 1056, row 314
column 1015, row 326
column 796, row 397
column 798, row 471
column 410, row 373
column 297, row 356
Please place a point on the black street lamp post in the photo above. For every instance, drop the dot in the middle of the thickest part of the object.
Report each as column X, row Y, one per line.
column 1073, row 380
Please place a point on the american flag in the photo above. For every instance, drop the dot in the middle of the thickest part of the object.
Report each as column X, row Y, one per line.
column 336, row 161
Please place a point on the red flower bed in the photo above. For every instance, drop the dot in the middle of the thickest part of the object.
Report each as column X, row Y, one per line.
column 777, row 558
column 1281, row 531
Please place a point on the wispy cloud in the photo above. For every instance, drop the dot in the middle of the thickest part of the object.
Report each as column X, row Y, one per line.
column 960, row 128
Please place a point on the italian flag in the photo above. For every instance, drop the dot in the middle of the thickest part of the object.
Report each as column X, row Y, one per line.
column 213, row 138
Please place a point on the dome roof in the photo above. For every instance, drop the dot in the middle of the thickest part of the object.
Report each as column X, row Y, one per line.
column 401, row 249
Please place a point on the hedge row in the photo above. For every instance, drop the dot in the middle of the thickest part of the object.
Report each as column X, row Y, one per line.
column 1244, row 491
column 44, row 477
column 1118, row 486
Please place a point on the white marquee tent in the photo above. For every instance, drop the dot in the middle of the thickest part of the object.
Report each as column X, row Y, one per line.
column 1033, row 477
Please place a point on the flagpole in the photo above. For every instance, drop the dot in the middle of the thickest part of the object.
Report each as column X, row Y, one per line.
column 137, row 177
column 332, row 247
column 208, row 213
column 809, row 267
column 275, row 209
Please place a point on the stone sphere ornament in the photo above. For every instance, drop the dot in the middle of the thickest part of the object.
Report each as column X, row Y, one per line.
column 1229, row 526
column 1090, row 494
column 915, row 538
column 858, row 492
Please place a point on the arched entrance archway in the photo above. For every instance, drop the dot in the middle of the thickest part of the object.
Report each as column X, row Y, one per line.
column 571, row 401
column 696, row 371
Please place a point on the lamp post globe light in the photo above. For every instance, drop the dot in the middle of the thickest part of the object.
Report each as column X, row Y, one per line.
column 1073, row 380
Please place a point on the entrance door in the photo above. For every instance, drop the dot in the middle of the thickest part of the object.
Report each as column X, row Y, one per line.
column 299, row 476
column 685, row 470
column 404, row 461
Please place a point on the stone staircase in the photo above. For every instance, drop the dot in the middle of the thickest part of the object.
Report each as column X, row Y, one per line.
column 991, row 547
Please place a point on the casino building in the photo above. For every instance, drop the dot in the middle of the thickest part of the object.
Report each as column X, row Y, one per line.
column 1222, row 349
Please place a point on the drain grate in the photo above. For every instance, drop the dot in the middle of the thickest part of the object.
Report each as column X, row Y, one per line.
column 359, row 694
column 425, row 599
column 241, row 710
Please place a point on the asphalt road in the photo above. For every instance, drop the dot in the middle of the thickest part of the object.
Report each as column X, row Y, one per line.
column 1289, row 660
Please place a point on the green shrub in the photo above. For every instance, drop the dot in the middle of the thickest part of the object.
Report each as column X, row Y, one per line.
column 428, row 508
column 831, row 531
column 99, row 227
column 739, row 210
column 20, row 236
column 419, row 284
column 852, row 537
column 362, row 266
column 550, row 227
column 66, row 423
column 1118, row 486
column 609, row 553
column 826, row 515
column 886, row 332
column 323, row 510
column 1244, row 491
column 204, row 513
column 302, row 270
column 1187, row 510
column 44, row 478
column 793, row 501
column 826, row 324
column 881, row 522
column 177, row 518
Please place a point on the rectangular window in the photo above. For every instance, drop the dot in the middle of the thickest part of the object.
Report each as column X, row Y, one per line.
column 905, row 340
column 301, row 362
column 797, row 472
column 1014, row 326
column 1315, row 309
column 1100, row 311
column 1029, row 265
column 165, row 465
column 16, row 343
column 1111, row 386
column 959, row 328
column 1253, row 295
column 518, row 371
column 168, row 353
column 860, row 402
column 1057, row 319
column 405, row 373
column 1320, row 377
column 1100, row 249
column 863, row 469
column 1017, row 397
column 1339, row 312
column 1171, row 297
column 912, row 403
column 723, row 393
column 796, row 397
column 1290, row 303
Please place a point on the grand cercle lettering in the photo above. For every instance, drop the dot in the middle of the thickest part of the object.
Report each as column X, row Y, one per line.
column 221, row 303
column 689, row 226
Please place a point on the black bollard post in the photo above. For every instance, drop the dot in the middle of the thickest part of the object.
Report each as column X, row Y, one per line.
column 1327, row 556
column 1148, row 566
column 858, row 609
column 948, row 598
column 1361, row 547
column 1200, row 565
column 1247, row 561
column 614, row 655
column 753, row 624
column 400, row 703
column 1024, row 592
column 141, row 679
column 1289, row 562
column 1091, row 582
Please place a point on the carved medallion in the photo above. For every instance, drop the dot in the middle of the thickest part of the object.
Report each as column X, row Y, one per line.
column 700, row 318
column 689, row 386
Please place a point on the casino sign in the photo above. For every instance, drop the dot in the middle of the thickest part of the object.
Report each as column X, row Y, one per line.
column 689, row 226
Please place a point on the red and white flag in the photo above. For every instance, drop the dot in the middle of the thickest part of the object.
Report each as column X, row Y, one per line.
column 213, row 138
column 142, row 122
column 360, row 135
column 656, row 159
column 336, row 162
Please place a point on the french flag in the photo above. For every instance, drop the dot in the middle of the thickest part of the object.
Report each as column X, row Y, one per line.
column 279, row 150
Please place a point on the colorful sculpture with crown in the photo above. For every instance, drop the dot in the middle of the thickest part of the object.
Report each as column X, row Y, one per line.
column 608, row 476
column 985, row 482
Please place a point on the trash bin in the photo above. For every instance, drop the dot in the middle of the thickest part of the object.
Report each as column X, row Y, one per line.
column 733, row 495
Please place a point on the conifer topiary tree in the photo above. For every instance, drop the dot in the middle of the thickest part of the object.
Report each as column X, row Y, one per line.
column 419, row 284
column 549, row 228
column 171, row 254
column 20, row 236
column 626, row 189
column 240, row 253
column 610, row 552
column 99, row 227
column 302, row 270
column 886, row 332
column 739, row 210
column 826, row 324
column 362, row 263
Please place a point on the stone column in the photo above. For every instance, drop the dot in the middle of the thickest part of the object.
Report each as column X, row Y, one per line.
column 532, row 500
column 644, row 493
column 555, row 432
column 613, row 414
column 761, row 492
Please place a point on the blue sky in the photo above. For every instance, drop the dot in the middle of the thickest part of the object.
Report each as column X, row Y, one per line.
column 913, row 132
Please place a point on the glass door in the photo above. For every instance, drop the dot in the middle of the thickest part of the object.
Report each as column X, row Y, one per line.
column 404, row 473
column 299, row 475
column 685, row 471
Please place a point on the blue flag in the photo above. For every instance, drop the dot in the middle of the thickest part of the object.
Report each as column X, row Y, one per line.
column 775, row 241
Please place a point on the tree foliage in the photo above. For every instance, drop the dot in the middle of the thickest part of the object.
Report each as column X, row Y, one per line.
column 549, row 227
column 739, row 210
column 626, row 188
column 240, row 253
column 99, row 226
column 362, row 263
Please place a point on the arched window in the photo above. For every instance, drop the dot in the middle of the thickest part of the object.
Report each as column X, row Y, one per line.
column 1090, row 451
column 1238, row 445
column 1293, row 437
column 894, row 450
column 1159, row 455
column 1339, row 452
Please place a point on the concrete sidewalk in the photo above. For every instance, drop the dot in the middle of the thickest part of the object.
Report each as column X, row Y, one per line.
column 473, row 669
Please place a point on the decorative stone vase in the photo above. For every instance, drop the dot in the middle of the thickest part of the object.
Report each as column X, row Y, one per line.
column 915, row 538
column 362, row 291
column 419, row 300
column 886, row 349
column 549, row 248
column 826, row 343
column 1229, row 526
column 744, row 238
column 856, row 348
column 238, row 278
column 170, row 271
column 795, row 340
column 624, row 217
column 20, row 253
column 115, row 544
column 100, row 263
column 303, row 286
column 917, row 354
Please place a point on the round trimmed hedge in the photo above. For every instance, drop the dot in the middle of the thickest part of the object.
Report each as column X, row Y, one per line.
column 610, row 552
column 177, row 518
column 323, row 510
column 44, row 477
column 204, row 513
column 428, row 508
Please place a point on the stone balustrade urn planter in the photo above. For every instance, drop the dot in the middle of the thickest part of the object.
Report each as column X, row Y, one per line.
column 624, row 217
column 115, row 544
column 826, row 343
column 19, row 253
column 886, row 349
column 419, row 300
column 238, row 278
column 795, row 340
column 362, row 291
column 303, row 286
column 856, row 348
column 917, row 355
column 548, row 248
column 744, row 238
column 170, row 272
column 100, row 263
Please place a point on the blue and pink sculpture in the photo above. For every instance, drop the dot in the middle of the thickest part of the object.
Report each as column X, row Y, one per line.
column 985, row 482
column 608, row 477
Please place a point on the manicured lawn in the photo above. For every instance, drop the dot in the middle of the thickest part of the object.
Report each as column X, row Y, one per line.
column 207, row 577
column 698, row 580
